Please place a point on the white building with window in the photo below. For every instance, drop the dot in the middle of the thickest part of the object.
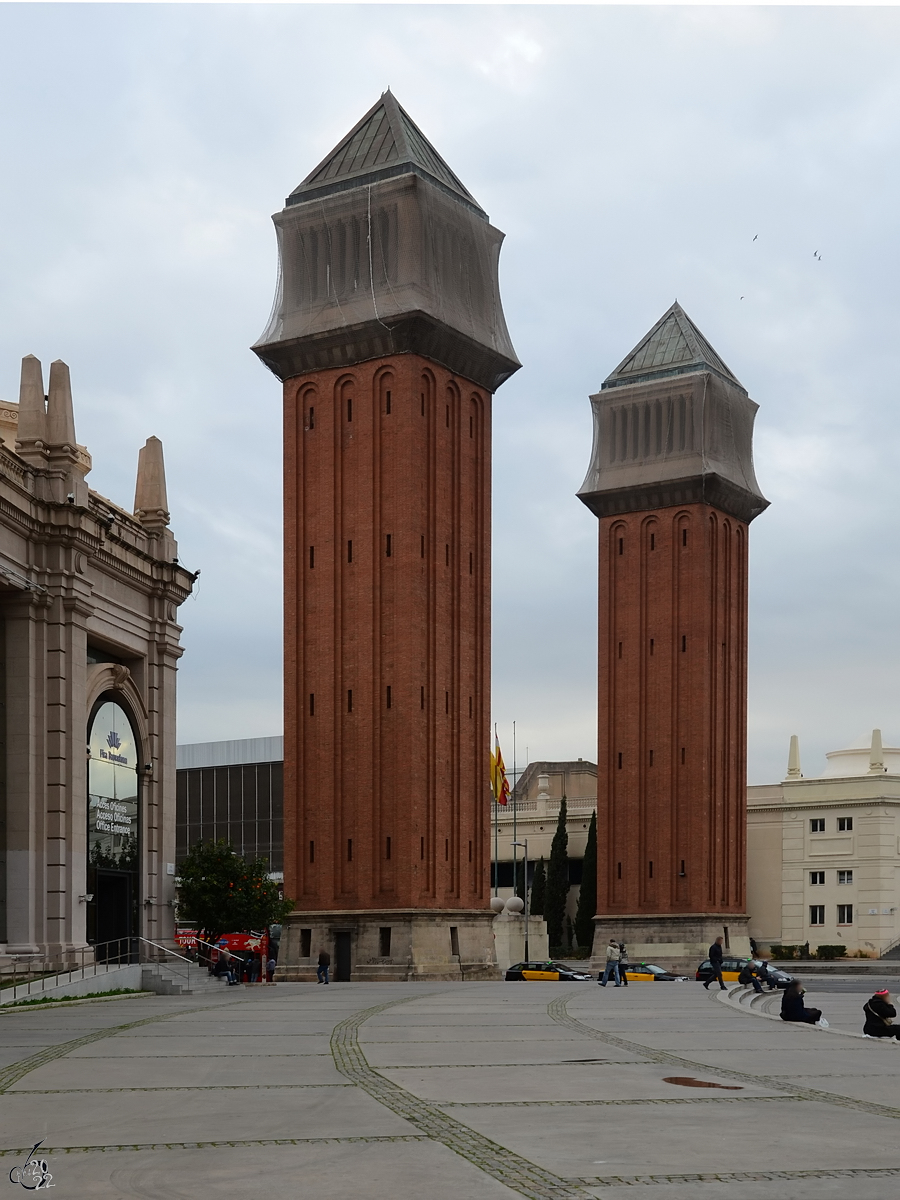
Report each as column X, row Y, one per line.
column 823, row 854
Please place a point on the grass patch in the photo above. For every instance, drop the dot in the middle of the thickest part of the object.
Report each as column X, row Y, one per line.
column 86, row 996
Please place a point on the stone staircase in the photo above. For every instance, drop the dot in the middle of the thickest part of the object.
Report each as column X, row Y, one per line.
column 179, row 979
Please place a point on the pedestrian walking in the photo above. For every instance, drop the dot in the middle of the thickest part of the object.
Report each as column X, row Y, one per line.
column 880, row 1015
column 793, row 1008
column 322, row 968
column 612, row 963
column 270, row 970
column 623, row 964
column 715, row 963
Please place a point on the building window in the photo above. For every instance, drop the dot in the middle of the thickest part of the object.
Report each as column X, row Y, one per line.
column 305, row 942
column 470, row 851
column 349, row 849
column 621, row 545
column 817, row 825
column 652, row 541
column 470, row 706
column 448, row 416
column 387, row 403
column 349, row 409
column 845, row 824
column 446, row 849
column 421, row 697
column 620, row 649
column 423, row 545
column 817, row 914
column 471, row 563
column 454, row 940
column 312, row 704
column 389, row 695
column 651, row 868
column 684, row 537
column 682, row 755
column 683, row 643
column 620, row 760
column 651, row 758
column 651, row 645
column 447, row 554
column 387, row 848
column 845, row 914
column 350, row 552
column 446, row 702
column 312, row 418
column 312, row 852
column 384, row 934
column 471, row 427
column 816, row 878
column 312, row 557
column 387, row 546
column 423, row 403
column 349, row 699
column 422, row 848
column 620, row 871
column 844, row 876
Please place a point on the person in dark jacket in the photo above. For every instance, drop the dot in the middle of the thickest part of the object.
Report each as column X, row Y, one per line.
column 715, row 962
column 750, row 975
column 879, row 1016
column 793, row 1008
column 322, row 968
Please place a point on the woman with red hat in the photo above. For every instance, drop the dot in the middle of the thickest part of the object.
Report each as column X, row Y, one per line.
column 879, row 1016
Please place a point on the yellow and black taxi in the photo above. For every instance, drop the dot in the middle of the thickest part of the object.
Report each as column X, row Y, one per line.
column 551, row 972
column 732, row 967
column 648, row 973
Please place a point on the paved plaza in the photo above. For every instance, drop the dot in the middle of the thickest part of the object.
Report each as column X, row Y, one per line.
column 446, row 1091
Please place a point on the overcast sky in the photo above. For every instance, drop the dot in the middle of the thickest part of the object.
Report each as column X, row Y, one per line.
column 631, row 155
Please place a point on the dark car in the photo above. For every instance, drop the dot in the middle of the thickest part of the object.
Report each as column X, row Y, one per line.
column 648, row 973
column 732, row 967
column 544, row 971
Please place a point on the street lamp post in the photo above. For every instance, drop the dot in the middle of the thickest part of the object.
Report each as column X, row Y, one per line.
column 524, row 843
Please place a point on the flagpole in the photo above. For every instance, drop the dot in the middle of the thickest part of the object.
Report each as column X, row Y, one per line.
column 496, row 808
column 515, row 805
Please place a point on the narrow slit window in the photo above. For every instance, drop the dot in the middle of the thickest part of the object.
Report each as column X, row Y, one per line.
column 619, row 873
column 349, row 409
column 682, row 871
column 423, row 404
column 651, row 758
column 312, row 704
column 387, row 546
column 349, row 699
column 312, row 557
column 471, row 562
column 384, row 942
column 312, row 852
column 422, row 848
column 652, row 541
column 389, row 695
column 387, row 403
column 471, row 427
column 447, row 554
column 305, row 945
column 682, row 755
column 387, row 848
column 470, row 851
column 684, row 643
column 350, row 551
column 620, row 649
column 423, row 545
column 448, row 416
column 651, row 645
column 620, row 760
column 651, row 868
column 621, row 545
column 311, row 423
column 446, row 849
column 684, row 537
column 446, row 702
column 470, row 706
column 422, row 696
column 349, row 849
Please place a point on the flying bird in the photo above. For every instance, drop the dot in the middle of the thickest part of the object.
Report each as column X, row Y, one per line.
column 755, row 236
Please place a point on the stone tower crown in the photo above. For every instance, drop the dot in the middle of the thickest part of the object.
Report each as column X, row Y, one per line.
column 673, row 425
column 383, row 251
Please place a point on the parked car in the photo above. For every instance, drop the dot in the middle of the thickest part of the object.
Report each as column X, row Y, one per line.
column 732, row 967
column 540, row 971
column 648, row 973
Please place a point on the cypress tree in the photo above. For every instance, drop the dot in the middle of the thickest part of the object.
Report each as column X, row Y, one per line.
column 587, row 898
column 538, row 890
column 557, row 889
column 519, row 883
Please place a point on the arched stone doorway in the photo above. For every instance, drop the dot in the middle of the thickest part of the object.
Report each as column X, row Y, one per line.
column 113, row 828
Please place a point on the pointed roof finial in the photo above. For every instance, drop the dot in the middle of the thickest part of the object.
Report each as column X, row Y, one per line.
column 151, row 506
column 674, row 346
column 876, row 754
column 32, row 407
column 793, row 771
column 60, row 412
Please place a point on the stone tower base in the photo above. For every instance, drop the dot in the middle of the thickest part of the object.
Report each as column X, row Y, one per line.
column 395, row 945
column 678, row 943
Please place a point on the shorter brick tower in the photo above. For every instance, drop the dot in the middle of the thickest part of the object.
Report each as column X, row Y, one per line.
column 389, row 337
column 672, row 482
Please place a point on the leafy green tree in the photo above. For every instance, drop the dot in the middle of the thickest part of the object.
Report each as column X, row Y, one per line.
column 557, row 889
column 221, row 892
column 587, row 897
column 538, row 890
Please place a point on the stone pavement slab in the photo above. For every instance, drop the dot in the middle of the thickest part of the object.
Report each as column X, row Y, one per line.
column 197, row 1045
column 79, row 1074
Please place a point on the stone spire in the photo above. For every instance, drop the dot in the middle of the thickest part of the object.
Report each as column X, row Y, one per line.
column 60, row 412
column 150, row 504
column 793, row 771
column 31, row 439
column 876, row 754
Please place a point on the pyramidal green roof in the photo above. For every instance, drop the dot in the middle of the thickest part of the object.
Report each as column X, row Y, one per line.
column 385, row 142
column 674, row 346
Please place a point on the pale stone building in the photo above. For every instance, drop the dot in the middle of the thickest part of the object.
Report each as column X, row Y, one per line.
column 824, row 853
column 534, row 811
column 89, row 642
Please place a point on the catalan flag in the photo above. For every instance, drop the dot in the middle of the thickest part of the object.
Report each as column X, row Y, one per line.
column 499, row 782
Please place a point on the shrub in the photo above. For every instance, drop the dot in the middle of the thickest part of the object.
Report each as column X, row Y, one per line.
column 783, row 952
column 828, row 952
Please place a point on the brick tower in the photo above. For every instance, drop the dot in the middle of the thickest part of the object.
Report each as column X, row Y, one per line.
column 672, row 482
column 389, row 337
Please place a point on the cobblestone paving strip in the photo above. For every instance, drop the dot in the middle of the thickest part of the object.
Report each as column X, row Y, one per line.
column 508, row 1168
column 849, row 1174
column 601, row 1103
column 17, row 1070
column 557, row 1010
column 180, row 1087
column 310, row 1141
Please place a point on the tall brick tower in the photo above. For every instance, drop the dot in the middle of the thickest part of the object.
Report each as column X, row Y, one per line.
column 389, row 337
column 672, row 482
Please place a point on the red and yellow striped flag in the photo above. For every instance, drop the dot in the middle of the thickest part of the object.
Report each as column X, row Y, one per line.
column 499, row 782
